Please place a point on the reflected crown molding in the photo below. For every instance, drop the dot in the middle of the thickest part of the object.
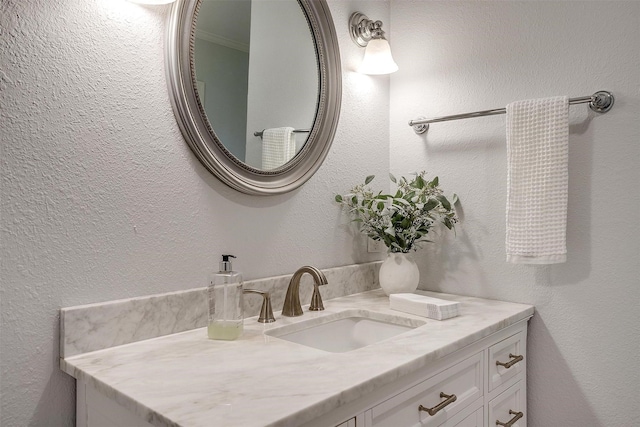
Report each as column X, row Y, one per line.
column 222, row 41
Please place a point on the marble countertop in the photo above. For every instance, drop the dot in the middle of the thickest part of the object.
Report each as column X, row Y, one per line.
column 188, row 380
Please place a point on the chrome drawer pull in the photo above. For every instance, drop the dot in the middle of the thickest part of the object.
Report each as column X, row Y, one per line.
column 512, row 421
column 432, row 411
column 509, row 364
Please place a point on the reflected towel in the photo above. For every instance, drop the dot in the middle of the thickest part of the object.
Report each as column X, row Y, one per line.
column 537, row 180
column 278, row 147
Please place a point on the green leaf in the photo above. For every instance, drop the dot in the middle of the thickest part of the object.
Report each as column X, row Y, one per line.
column 420, row 182
column 445, row 202
column 434, row 182
column 369, row 179
column 393, row 178
column 338, row 198
column 431, row 203
column 448, row 223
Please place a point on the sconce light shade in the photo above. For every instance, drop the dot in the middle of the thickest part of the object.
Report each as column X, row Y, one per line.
column 377, row 58
column 152, row 1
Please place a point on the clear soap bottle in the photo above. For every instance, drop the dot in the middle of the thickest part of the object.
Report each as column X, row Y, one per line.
column 225, row 302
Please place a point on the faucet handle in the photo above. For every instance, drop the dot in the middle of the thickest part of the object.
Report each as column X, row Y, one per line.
column 266, row 312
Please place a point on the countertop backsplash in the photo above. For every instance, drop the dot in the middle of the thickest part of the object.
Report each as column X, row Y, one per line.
column 98, row 326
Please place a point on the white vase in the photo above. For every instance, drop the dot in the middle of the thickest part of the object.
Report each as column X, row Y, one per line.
column 399, row 274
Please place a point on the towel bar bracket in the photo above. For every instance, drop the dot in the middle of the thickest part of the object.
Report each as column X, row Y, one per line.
column 421, row 127
column 600, row 102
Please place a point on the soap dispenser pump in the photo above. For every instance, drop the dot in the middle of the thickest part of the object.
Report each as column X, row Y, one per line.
column 225, row 302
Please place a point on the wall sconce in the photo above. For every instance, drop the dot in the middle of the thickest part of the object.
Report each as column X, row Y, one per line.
column 377, row 55
column 151, row 2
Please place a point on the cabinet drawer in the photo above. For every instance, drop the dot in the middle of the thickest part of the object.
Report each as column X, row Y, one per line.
column 506, row 360
column 473, row 420
column 508, row 408
column 463, row 380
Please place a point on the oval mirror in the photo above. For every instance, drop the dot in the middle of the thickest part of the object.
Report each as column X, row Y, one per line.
column 256, row 88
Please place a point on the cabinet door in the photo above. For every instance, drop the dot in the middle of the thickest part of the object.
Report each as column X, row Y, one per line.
column 348, row 423
column 508, row 409
column 447, row 393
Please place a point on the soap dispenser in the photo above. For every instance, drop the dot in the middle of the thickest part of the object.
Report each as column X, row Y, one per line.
column 225, row 302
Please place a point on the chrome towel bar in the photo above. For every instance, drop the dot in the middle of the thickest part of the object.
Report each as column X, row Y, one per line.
column 600, row 102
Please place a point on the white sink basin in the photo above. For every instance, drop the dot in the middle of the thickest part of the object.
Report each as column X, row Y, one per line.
column 345, row 331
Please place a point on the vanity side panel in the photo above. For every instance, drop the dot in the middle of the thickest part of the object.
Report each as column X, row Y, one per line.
column 81, row 404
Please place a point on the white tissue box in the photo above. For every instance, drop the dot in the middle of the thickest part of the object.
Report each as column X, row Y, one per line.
column 421, row 305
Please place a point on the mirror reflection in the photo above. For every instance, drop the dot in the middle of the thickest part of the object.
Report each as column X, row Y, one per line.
column 257, row 77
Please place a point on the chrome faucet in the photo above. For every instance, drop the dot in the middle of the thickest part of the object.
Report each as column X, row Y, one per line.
column 292, row 305
column 266, row 313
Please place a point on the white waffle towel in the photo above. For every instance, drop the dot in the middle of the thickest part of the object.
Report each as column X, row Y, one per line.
column 278, row 147
column 537, row 180
column 421, row 305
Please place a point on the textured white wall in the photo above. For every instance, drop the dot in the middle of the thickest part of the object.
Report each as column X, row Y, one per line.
column 102, row 199
column 457, row 57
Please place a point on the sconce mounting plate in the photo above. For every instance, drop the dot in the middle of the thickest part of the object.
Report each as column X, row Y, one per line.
column 360, row 28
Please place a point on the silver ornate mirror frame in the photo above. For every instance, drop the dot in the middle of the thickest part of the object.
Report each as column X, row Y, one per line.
column 198, row 132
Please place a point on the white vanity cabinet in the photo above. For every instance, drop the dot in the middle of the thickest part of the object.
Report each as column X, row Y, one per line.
column 482, row 385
